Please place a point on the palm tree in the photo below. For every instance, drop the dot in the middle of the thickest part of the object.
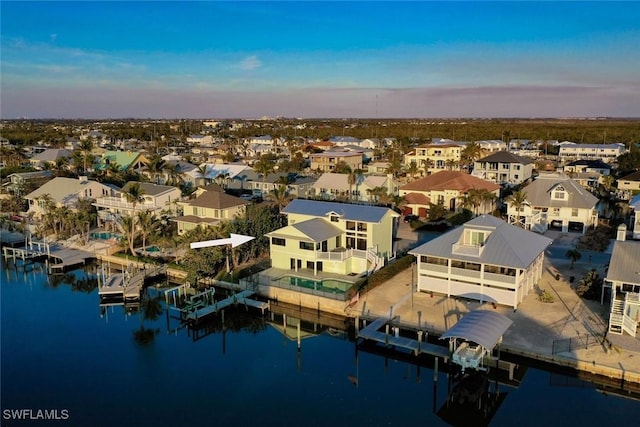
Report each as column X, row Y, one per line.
column 280, row 196
column 574, row 255
column 156, row 166
column 470, row 153
column 85, row 148
column 517, row 200
column 203, row 171
column 148, row 223
column 353, row 178
column 413, row 169
column 134, row 195
column 427, row 164
column 451, row 164
column 264, row 167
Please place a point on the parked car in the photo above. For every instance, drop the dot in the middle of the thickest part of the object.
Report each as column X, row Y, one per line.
column 409, row 218
column 247, row 197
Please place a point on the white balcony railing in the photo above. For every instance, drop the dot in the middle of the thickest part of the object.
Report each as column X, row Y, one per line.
column 470, row 250
column 118, row 203
column 499, row 278
column 463, row 272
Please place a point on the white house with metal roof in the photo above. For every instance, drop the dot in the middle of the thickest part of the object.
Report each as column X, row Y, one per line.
column 333, row 237
column 606, row 152
column 486, row 260
column 555, row 200
column 623, row 278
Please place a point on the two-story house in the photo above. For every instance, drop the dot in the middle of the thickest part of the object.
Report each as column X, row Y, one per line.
column 587, row 173
column 133, row 161
column 209, row 208
column 332, row 186
column 606, row 152
column 630, row 182
column 328, row 160
column 155, row 198
column 555, row 201
column 447, row 188
column 66, row 192
column 333, row 237
column 486, row 260
column 24, row 182
column 49, row 158
column 432, row 158
column 503, row 168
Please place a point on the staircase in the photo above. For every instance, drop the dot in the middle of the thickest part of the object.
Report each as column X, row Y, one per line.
column 616, row 317
column 377, row 262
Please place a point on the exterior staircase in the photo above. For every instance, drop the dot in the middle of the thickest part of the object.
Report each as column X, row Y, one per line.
column 377, row 262
column 619, row 319
column 616, row 317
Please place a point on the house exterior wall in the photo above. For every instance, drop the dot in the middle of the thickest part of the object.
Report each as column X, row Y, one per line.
column 628, row 185
column 485, row 284
column 439, row 156
column 503, row 173
column 543, row 217
column 212, row 213
column 606, row 152
column 327, row 161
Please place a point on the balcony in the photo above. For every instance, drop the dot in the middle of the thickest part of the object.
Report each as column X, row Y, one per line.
column 493, row 277
column 455, row 271
column 119, row 203
column 341, row 254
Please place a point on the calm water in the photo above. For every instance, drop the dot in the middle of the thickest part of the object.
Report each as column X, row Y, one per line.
column 58, row 352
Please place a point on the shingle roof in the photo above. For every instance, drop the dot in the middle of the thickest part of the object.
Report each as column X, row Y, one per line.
column 450, row 180
column 635, row 176
column 505, row 157
column 625, row 262
column 217, row 200
column 507, row 245
column 594, row 164
column 539, row 192
column 347, row 211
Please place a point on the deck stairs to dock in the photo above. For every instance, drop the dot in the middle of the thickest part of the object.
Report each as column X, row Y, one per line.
column 619, row 319
column 371, row 332
column 128, row 284
column 377, row 262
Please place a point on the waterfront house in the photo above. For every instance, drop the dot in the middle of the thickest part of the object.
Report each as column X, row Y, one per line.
column 447, row 188
column 333, row 237
column 555, row 201
column 332, row 186
column 623, row 280
column 66, row 192
column 503, row 168
column 210, row 207
column 155, row 198
column 24, row 182
column 486, row 260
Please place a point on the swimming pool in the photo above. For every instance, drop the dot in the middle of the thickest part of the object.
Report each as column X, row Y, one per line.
column 152, row 249
column 324, row 285
column 105, row 235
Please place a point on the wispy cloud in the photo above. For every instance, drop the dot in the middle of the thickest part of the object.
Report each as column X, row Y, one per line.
column 250, row 63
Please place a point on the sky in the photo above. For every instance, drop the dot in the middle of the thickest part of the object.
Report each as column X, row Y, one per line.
column 211, row 59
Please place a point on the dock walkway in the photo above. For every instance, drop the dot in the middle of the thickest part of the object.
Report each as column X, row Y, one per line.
column 239, row 298
column 371, row 332
column 126, row 285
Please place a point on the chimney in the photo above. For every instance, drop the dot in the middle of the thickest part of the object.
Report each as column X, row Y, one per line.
column 83, row 178
column 622, row 233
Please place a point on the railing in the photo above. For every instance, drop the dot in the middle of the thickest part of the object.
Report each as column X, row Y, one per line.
column 341, row 255
column 467, row 250
column 116, row 202
column 632, row 297
column 435, row 267
column 564, row 345
column 463, row 272
column 499, row 278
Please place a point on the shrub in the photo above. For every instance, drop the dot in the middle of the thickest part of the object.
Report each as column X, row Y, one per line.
column 382, row 275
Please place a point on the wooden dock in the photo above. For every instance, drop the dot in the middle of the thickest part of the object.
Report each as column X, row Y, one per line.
column 58, row 259
column 126, row 285
column 200, row 312
column 371, row 332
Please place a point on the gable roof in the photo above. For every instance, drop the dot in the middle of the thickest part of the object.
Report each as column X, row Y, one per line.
column 635, row 176
column 594, row 164
column 507, row 245
column 216, row 200
column 505, row 157
column 122, row 158
column 51, row 155
column 347, row 211
column 624, row 262
column 539, row 192
column 450, row 180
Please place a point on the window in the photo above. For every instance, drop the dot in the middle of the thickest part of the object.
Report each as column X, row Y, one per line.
column 307, row 246
column 335, row 218
column 574, row 212
column 278, row 241
column 505, row 166
column 351, row 225
column 516, row 167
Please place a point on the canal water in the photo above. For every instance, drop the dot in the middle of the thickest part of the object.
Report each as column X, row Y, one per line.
column 128, row 367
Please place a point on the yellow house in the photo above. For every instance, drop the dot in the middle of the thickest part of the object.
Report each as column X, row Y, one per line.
column 432, row 158
column 209, row 208
column 333, row 237
column 327, row 161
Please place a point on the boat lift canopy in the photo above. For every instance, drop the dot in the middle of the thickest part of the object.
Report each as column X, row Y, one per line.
column 483, row 327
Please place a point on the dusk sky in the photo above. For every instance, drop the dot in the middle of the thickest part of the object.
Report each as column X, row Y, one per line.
column 319, row 59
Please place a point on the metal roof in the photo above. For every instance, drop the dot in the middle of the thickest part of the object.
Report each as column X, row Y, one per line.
column 484, row 327
column 507, row 245
column 346, row 211
column 316, row 229
column 625, row 262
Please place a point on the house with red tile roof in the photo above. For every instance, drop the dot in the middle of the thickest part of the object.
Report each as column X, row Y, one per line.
column 448, row 188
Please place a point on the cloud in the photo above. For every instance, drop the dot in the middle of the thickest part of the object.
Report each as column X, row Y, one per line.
column 250, row 63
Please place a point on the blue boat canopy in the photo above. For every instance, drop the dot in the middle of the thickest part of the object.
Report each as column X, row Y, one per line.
column 483, row 327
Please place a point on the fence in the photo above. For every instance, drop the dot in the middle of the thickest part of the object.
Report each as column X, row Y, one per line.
column 564, row 345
